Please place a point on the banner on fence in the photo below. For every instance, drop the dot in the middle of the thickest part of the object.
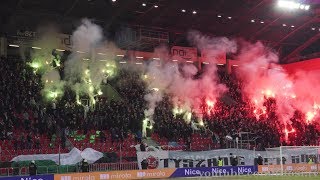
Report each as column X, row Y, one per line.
column 183, row 159
column 38, row 177
column 288, row 168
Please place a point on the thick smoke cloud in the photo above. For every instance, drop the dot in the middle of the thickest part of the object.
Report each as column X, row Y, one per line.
column 91, row 63
column 46, row 63
column 263, row 78
column 188, row 93
column 86, row 68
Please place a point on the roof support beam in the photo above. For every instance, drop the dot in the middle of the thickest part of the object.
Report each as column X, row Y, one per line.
column 75, row 2
column 296, row 30
column 263, row 29
column 300, row 48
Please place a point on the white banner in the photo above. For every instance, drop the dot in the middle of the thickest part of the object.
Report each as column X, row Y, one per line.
column 70, row 158
column 179, row 53
column 182, row 159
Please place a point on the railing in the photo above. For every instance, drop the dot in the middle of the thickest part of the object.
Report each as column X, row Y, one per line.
column 14, row 171
column 114, row 166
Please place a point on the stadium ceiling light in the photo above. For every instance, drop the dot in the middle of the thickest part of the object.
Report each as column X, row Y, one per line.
column 302, row 6
column 144, row 4
column 235, row 65
column 120, row 55
column 156, row 58
column 80, row 52
column 292, row 26
column 262, row 22
column 307, row 7
column 313, row 29
column 194, row 12
column 219, row 64
column 183, row 10
column 122, row 62
column 219, row 16
column 288, row 4
column 189, row 61
column 13, row 45
column 114, row 0
column 205, row 63
column 229, row 17
column 102, row 54
column 86, row 59
column 284, row 25
column 174, row 60
column 61, row 50
column 34, row 47
column 139, row 57
column 155, row 6
column 252, row 20
column 138, row 63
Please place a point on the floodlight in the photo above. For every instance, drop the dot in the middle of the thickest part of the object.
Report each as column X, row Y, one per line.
column 290, row 4
column 307, row 7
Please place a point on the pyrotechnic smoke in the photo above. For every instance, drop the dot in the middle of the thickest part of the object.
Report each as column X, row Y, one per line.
column 46, row 64
column 53, row 85
column 188, row 93
column 263, row 79
column 91, row 61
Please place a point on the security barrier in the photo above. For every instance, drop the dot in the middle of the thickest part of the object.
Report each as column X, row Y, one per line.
column 114, row 166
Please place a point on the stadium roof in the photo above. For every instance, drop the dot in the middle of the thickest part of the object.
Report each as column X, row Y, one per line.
column 289, row 31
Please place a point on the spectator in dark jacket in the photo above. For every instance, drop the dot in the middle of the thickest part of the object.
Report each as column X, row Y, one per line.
column 32, row 168
column 85, row 166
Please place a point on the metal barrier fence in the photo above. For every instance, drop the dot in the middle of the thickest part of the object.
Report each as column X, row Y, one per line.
column 15, row 171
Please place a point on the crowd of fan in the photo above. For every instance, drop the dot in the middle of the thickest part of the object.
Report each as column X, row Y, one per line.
column 24, row 117
column 233, row 114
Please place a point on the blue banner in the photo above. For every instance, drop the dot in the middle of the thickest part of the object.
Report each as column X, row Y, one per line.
column 214, row 171
column 38, row 177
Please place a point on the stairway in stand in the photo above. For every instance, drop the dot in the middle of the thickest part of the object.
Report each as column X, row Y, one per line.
column 150, row 142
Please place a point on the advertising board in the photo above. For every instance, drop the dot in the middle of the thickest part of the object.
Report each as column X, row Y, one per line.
column 118, row 175
column 288, row 168
column 38, row 177
column 214, row 171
